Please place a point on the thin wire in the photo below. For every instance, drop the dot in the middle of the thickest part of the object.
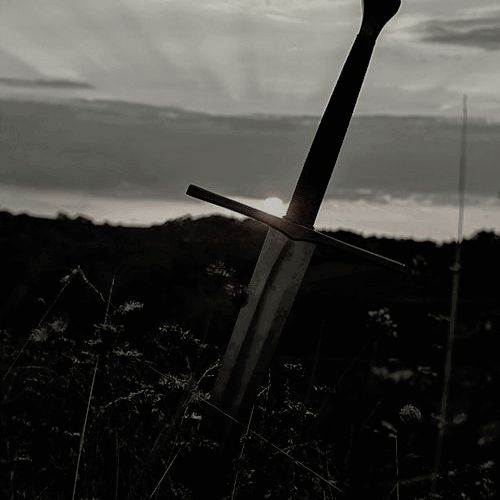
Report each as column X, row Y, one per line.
column 109, row 300
column 153, row 493
column 454, row 301
column 259, row 436
column 272, row 445
column 185, row 404
column 82, row 437
column 242, row 452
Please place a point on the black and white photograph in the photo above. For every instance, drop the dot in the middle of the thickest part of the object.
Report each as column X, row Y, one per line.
column 249, row 249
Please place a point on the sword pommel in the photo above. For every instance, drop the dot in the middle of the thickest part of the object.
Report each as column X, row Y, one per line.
column 376, row 14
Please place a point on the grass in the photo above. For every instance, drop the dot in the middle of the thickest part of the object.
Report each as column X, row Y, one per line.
column 318, row 429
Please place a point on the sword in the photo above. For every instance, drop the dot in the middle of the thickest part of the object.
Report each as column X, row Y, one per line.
column 291, row 240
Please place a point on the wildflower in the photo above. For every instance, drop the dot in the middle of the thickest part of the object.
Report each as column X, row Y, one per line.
column 382, row 320
column 410, row 414
column 39, row 334
column 388, row 429
column 220, row 269
column 238, row 293
column 130, row 306
column 58, row 325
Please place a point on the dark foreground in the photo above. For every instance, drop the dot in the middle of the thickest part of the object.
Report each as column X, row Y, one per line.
column 351, row 402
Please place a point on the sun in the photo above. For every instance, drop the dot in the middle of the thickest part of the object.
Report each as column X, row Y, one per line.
column 274, row 206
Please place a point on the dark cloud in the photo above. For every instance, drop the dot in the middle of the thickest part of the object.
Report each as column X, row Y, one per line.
column 44, row 83
column 137, row 151
column 480, row 32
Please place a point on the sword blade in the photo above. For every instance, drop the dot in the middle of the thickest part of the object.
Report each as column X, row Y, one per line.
column 276, row 280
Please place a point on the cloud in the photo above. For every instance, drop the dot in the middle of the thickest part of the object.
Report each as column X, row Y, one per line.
column 135, row 151
column 240, row 56
column 44, row 83
column 476, row 30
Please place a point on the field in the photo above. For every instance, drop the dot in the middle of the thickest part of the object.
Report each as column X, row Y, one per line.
column 111, row 339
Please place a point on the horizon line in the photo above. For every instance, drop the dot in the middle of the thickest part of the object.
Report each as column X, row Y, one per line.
column 220, row 114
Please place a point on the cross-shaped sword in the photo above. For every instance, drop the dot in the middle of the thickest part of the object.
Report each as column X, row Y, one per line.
column 291, row 240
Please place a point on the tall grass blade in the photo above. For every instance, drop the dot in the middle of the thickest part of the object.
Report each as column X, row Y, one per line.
column 454, row 302
column 169, row 466
column 242, row 452
column 84, row 428
column 27, row 341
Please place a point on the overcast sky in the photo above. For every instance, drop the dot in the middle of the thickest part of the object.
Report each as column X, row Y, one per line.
column 276, row 56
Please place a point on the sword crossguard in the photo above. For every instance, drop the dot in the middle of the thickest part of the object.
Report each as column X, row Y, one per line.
column 376, row 14
column 290, row 229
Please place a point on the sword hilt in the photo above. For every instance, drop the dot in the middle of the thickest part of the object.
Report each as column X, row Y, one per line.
column 327, row 142
column 293, row 231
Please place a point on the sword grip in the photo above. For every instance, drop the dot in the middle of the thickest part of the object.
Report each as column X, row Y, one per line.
column 327, row 142
column 326, row 145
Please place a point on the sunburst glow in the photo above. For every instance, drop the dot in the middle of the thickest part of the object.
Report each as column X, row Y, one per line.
column 247, row 56
column 274, row 206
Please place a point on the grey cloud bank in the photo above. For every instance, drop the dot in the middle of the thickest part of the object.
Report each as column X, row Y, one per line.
column 44, row 83
column 137, row 151
column 478, row 31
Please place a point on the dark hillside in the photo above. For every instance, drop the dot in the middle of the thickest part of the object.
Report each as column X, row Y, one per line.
column 360, row 361
column 166, row 266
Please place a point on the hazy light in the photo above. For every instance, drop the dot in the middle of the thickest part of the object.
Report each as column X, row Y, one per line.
column 274, row 206
column 408, row 218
